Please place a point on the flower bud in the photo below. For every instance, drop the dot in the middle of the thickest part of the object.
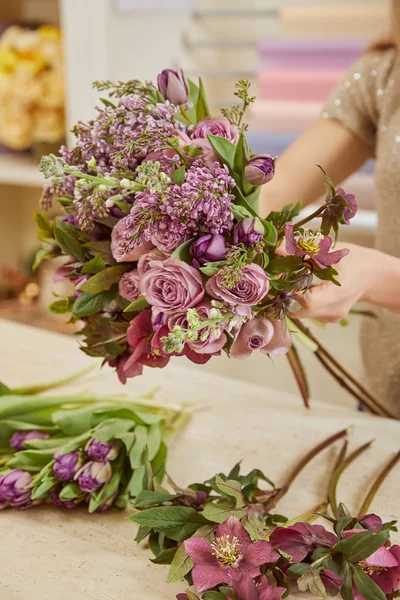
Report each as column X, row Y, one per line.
column 107, row 503
column 208, row 248
column 249, row 232
column 19, row 437
column 66, row 465
column 93, row 475
column 101, row 450
column 173, row 86
column 260, row 169
column 56, row 500
column 14, row 488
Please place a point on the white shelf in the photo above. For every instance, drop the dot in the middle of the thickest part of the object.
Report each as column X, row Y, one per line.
column 20, row 170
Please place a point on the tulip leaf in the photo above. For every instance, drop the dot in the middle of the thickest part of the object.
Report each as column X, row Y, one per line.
column 147, row 497
column 4, row 390
column 153, row 440
column 361, row 545
column 43, row 488
column 202, row 109
column 89, row 304
column 70, row 491
column 242, row 154
column 181, row 565
column 224, row 149
column 136, row 453
column 240, row 212
column 183, row 252
column 31, row 460
column 178, row 176
column 68, row 243
column 366, row 586
column 93, row 266
column 232, row 489
column 135, row 484
column 110, row 428
column 103, row 281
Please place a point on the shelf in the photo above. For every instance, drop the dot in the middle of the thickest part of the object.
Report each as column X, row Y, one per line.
column 20, row 170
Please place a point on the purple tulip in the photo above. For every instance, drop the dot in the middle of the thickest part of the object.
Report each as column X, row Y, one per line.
column 66, row 465
column 19, row 437
column 14, row 488
column 107, row 503
column 93, row 475
column 208, row 248
column 101, row 450
column 173, row 86
column 56, row 500
column 249, row 232
column 260, row 169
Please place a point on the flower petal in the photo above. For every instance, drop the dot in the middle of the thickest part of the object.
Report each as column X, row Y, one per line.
column 331, row 258
column 244, row 586
column 382, row 558
column 233, row 528
column 267, row 592
column 206, row 577
column 257, row 554
column 290, row 541
column 291, row 246
column 200, row 551
column 281, row 341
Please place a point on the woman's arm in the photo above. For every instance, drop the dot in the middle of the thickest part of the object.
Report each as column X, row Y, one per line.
column 327, row 143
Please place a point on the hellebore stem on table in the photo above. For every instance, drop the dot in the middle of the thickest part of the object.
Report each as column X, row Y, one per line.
column 338, row 472
column 299, row 374
column 43, row 387
column 377, row 484
column 309, row 516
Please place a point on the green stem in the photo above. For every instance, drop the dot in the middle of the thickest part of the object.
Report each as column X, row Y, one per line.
column 313, row 215
column 184, row 114
column 377, row 484
column 320, row 560
column 179, row 153
column 42, row 387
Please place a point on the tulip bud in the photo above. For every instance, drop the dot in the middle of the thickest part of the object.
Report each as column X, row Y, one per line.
column 93, row 475
column 249, row 232
column 173, row 86
column 14, row 488
column 19, row 437
column 107, row 503
column 260, row 169
column 56, row 500
column 66, row 465
column 208, row 248
column 101, row 450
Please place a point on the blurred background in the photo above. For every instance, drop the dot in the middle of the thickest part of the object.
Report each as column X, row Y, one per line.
column 294, row 52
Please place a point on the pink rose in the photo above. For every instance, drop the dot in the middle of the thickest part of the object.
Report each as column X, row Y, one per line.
column 250, row 290
column 253, row 335
column 145, row 260
column 129, row 285
column 122, row 247
column 216, row 126
column 172, row 285
column 211, row 345
column 166, row 240
column 282, row 340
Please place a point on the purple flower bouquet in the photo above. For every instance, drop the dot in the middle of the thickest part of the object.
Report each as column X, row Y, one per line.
column 166, row 251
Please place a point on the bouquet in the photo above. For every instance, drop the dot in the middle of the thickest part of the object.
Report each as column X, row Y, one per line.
column 167, row 254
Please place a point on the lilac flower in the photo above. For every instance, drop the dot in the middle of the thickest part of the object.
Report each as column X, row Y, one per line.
column 232, row 552
column 123, row 247
column 302, row 539
column 19, row 437
column 66, row 465
column 93, row 475
column 208, row 248
column 14, row 490
column 249, row 291
column 101, row 450
column 249, row 232
column 216, row 126
column 260, row 169
column 129, row 285
column 312, row 245
column 173, row 86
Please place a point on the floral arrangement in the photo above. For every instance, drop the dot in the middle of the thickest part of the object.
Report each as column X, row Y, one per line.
column 70, row 450
column 31, row 87
column 167, row 255
column 225, row 538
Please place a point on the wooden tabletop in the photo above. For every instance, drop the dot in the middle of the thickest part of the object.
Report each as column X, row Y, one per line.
column 51, row 554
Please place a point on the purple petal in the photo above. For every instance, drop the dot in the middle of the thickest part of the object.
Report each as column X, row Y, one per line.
column 200, row 551
column 206, row 577
column 382, row 558
column 234, row 528
column 290, row 541
column 371, row 522
column 331, row 580
column 267, row 592
column 332, row 258
column 325, row 244
column 256, row 554
column 244, row 586
column 291, row 246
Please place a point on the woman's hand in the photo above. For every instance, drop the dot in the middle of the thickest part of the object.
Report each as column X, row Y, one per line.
column 365, row 274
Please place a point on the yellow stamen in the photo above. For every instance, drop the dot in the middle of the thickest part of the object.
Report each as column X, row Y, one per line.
column 227, row 550
column 310, row 241
column 371, row 569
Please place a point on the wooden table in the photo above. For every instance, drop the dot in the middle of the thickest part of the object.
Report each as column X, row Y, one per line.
column 49, row 554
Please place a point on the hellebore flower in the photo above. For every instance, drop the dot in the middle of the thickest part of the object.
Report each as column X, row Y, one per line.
column 302, row 539
column 101, row 450
column 173, row 86
column 19, row 437
column 332, row 581
column 261, row 589
column 144, row 344
column 14, row 489
column 341, row 207
column 93, row 475
column 231, row 552
column 260, row 169
column 249, row 232
column 371, row 522
column 66, row 465
column 314, row 245
column 383, row 567
column 208, row 248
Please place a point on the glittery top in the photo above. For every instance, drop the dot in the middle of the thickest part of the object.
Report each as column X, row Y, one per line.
column 368, row 103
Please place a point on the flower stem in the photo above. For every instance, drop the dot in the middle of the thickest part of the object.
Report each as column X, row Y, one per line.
column 313, row 215
column 338, row 472
column 377, row 484
column 184, row 114
column 42, row 387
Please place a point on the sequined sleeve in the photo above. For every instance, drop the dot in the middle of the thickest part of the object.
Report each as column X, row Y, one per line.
column 355, row 102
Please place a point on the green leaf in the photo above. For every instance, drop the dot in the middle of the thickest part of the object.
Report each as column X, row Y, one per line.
column 231, row 488
column 327, row 274
column 158, row 463
column 136, row 453
column 193, row 596
column 181, row 565
column 108, row 489
column 242, row 154
column 298, row 569
column 101, row 249
column 40, row 256
column 95, row 265
column 69, row 245
column 146, row 498
column 153, row 440
column 31, row 460
column 89, row 304
column 311, row 580
column 270, row 233
column 240, row 212
column 178, row 176
column 361, row 545
column 4, row 390
column 177, row 522
column 367, row 588
column 43, row 489
column 285, row 264
column 202, row 109
column 107, row 102
column 224, row 149
column 137, row 305
column 102, row 281
column 192, row 151
column 346, row 591
column 219, row 511
column 210, row 269
column 165, row 557
column 44, row 224
column 70, row 491
column 110, row 428
column 183, row 252
column 62, row 306
column 135, row 485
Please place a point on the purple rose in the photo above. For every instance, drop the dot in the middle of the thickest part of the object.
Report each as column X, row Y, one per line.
column 172, row 285
column 166, row 240
column 216, row 126
column 144, row 261
column 129, row 285
column 260, row 169
column 120, row 243
column 19, row 437
column 249, row 291
column 208, row 248
column 253, row 335
column 66, row 465
column 93, row 475
column 249, row 232
column 14, row 488
column 101, row 450
column 173, row 86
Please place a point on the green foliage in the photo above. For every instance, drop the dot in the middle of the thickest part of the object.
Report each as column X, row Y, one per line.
column 103, row 280
column 178, row 176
